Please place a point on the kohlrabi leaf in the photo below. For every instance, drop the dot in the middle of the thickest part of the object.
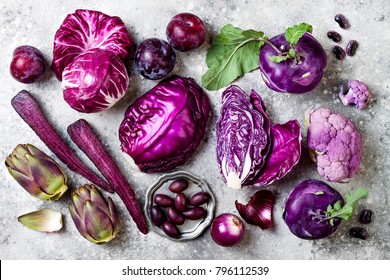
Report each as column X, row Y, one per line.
column 233, row 53
column 293, row 34
column 278, row 59
column 346, row 211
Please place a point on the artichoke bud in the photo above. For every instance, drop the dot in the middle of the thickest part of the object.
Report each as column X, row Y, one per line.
column 95, row 217
column 36, row 172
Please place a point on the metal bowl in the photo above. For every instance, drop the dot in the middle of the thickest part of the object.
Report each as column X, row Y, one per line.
column 190, row 229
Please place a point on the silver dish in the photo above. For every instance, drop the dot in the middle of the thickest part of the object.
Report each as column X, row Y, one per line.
column 190, row 229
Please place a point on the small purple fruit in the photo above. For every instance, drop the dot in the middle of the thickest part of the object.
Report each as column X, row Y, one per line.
column 178, row 185
column 195, row 213
column 27, row 65
column 199, row 198
column 186, row 32
column 163, row 200
column 180, row 202
column 175, row 217
column 170, row 229
column 157, row 215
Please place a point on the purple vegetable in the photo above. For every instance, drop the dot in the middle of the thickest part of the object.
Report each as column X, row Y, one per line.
column 94, row 81
column 170, row 229
column 305, row 210
column 157, row 215
column 356, row 93
column 86, row 139
column 180, row 202
column 199, row 198
column 284, row 155
column 178, row 185
column 29, row 110
column 85, row 30
column 175, row 217
column 243, row 140
column 335, row 144
column 291, row 76
column 258, row 211
column 163, row 128
column 227, row 230
column 314, row 210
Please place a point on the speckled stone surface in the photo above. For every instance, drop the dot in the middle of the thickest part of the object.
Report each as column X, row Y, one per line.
column 35, row 23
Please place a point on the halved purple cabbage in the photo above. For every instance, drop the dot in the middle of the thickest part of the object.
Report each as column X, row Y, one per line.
column 249, row 150
column 289, row 76
column 284, row 155
column 243, row 131
column 94, row 81
column 85, row 30
column 163, row 128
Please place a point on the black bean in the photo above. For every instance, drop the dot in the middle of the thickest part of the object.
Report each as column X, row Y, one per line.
column 334, row 36
column 358, row 232
column 170, row 229
column 365, row 216
column 342, row 21
column 163, row 200
column 351, row 47
column 338, row 52
column 178, row 185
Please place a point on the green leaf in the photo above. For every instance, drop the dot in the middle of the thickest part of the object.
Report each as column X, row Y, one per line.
column 291, row 52
column 293, row 34
column 346, row 211
column 233, row 53
column 278, row 58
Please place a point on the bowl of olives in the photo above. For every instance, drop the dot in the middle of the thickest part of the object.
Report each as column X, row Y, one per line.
column 179, row 206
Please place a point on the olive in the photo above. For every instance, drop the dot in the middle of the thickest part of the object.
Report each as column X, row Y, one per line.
column 175, row 217
column 157, row 215
column 334, row 36
column 178, row 185
column 358, row 232
column 163, row 200
column 351, row 47
column 170, row 229
column 365, row 216
column 199, row 198
column 195, row 213
column 342, row 21
column 339, row 52
column 180, row 202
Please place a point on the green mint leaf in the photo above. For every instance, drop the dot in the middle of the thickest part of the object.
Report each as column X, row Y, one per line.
column 293, row 34
column 346, row 211
column 291, row 52
column 233, row 53
column 278, row 58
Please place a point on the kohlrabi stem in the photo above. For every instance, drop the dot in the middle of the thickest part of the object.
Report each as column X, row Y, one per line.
column 270, row 44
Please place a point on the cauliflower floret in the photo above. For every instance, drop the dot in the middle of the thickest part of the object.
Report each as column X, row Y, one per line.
column 357, row 93
column 336, row 144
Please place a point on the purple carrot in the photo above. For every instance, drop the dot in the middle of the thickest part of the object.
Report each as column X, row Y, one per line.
column 87, row 140
column 29, row 110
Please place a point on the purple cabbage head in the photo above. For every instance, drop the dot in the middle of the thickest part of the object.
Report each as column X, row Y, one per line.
column 164, row 127
column 243, row 136
column 85, row 30
column 94, row 81
column 284, row 155
column 290, row 76
column 305, row 210
column 249, row 150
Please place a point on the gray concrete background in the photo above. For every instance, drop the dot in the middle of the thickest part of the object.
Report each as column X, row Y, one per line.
column 35, row 23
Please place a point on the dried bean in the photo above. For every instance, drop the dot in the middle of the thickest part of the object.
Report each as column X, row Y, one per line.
column 358, row 232
column 334, row 36
column 365, row 216
column 338, row 52
column 342, row 21
column 351, row 47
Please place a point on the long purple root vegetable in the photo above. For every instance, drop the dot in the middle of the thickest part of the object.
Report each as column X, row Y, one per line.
column 87, row 140
column 29, row 110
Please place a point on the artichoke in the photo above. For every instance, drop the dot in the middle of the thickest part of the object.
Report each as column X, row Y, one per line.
column 36, row 172
column 95, row 217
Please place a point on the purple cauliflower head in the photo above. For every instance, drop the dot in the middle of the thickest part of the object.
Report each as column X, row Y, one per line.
column 356, row 93
column 335, row 144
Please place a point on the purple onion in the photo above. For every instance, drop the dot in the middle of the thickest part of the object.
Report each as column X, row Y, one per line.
column 227, row 230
